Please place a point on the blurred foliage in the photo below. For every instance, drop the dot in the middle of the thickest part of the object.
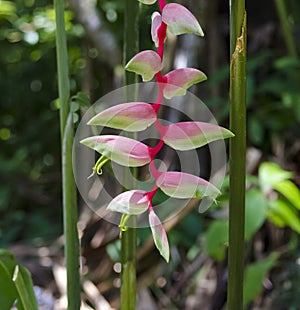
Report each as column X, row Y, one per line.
column 30, row 206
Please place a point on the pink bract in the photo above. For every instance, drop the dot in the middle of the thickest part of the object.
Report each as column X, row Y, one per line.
column 132, row 116
column 191, row 135
column 185, row 185
column 159, row 235
column 180, row 20
column 122, row 150
column 156, row 22
column 146, row 63
column 180, row 80
column 130, row 202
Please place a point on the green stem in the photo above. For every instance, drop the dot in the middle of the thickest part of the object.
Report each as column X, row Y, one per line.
column 237, row 99
column 284, row 20
column 68, row 185
column 128, row 237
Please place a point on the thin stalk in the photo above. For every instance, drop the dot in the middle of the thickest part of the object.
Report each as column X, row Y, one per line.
column 287, row 31
column 129, row 239
column 68, row 184
column 237, row 155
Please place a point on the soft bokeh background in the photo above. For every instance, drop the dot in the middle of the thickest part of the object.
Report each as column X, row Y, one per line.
column 30, row 186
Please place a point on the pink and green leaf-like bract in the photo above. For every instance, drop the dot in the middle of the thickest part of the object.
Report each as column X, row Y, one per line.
column 191, row 135
column 180, row 20
column 156, row 23
column 184, row 185
column 159, row 236
column 131, row 116
column 122, row 150
column 132, row 202
column 146, row 63
column 178, row 81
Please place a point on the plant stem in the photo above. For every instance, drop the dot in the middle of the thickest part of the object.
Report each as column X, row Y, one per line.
column 129, row 239
column 68, row 184
column 237, row 99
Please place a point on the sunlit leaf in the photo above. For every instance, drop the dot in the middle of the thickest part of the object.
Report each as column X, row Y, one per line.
column 270, row 174
column 190, row 135
column 122, row 150
column 147, row 1
column 185, row 185
column 132, row 116
column 287, row 214
column 159, row 236
column 180, row 20
column 132, row 202
column 146, row 63
column 156, row 22
column 290, row 191
column 180, row 80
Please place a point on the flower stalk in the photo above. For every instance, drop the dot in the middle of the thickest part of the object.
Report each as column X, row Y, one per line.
column 237, row 155
column 68, row 185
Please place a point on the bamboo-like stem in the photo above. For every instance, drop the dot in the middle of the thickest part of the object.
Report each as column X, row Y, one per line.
column 237, row 156
column 129, row 239
column 288, row 36
column 68, row 184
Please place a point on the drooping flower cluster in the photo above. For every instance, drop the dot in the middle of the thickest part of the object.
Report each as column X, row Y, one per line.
column 137, row 116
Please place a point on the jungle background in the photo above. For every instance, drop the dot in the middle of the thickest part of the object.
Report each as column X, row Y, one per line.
column 30, row 179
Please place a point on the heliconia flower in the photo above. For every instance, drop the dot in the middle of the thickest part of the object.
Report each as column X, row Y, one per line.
column 159, row 236
column 191, row 135
column 184, row 185
column 132, row 202
column 122, row 150
column 156, row 22
column 146, row 63
column 131, row 116
column 179, row 80
column 180, row 20
column 147, row 1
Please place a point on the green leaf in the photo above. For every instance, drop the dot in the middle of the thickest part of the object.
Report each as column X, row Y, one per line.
column 216, row 239
column 24, row 286
column 254, row 275
column 290, row 191
column 159, row 236
column 286, row 213
column 270, row 173
column 255, row 212
column 8, row 291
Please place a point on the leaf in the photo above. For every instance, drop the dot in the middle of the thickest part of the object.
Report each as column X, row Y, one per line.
column 270, row 174
column 216, row 239
column 146, row 63
column 255, row 212
column 132, row 202
column 290, row 191
column 122, row 150
column 179, row 80
column 156, row 23
column 254, row 276
column 185, row 185
column 190, row 135
column 24, row 286
column 159, row 236
column 148, row 2
column 7, row 288
column 180, row 20
column 286, row 213
column 132, row 116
